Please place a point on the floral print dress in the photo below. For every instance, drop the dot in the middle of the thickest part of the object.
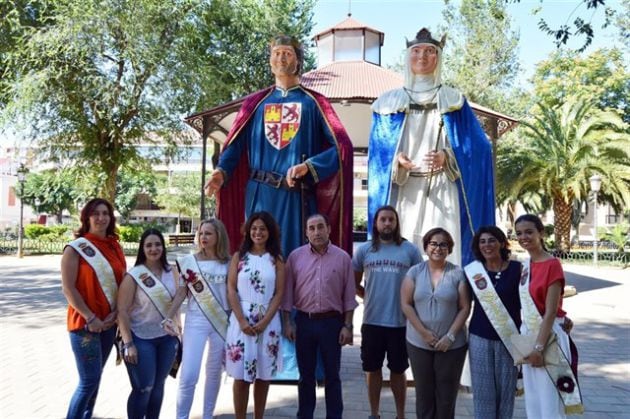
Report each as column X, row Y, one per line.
column 254, row 357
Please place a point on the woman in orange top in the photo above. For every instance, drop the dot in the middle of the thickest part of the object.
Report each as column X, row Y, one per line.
column 92, row 267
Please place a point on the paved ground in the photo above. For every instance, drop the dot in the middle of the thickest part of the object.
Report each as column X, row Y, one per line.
column 37, row 372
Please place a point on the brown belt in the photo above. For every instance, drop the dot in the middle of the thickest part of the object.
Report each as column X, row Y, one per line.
column 319, row 316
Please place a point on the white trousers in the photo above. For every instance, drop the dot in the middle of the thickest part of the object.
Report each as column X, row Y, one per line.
column 198, row 331
column 541, row 396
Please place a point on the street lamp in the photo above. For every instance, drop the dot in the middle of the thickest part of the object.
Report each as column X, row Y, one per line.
column 596, row 184
column 21, row 176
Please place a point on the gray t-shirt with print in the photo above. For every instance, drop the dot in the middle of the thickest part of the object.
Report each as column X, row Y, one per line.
column 384, row 271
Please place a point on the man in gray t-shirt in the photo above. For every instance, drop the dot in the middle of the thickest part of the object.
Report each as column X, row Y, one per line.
column 384, row 260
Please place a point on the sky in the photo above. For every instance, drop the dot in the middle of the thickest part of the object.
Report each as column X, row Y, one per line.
column 398, row 19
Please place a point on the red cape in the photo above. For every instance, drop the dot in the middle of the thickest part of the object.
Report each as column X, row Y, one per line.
column 333, row 195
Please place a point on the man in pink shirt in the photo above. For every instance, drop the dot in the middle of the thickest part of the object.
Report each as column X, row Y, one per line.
column 320, row 285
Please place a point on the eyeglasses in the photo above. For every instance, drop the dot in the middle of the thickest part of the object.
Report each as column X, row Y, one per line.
column 435, row 245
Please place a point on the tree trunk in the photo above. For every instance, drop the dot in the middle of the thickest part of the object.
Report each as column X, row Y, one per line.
column 59, row 216
column 109, row 189
column 562, row 211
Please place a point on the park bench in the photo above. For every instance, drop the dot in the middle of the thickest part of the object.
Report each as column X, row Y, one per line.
column 181, row 239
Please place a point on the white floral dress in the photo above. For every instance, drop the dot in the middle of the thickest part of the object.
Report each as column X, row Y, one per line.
column 254, row 357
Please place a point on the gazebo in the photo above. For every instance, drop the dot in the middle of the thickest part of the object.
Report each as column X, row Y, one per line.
column 350, row 75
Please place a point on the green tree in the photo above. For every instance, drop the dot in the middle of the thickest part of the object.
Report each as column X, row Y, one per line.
column 601, row 76
column 482, row 50
column 619, row 235
column 562, row 147
column 92, row 79
column 51, row 192
column 130, row 184
column 180, row 194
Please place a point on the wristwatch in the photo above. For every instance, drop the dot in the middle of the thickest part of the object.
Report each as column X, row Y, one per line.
column 450, row 337
column 539, row 347
column 348, row 326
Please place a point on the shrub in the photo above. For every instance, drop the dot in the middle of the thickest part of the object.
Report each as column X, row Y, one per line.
column 41, row 232
column 130, row 233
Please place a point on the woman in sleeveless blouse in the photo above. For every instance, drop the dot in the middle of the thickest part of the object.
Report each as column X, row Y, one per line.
column 255, row 288
column 212, row 258
column 91, row 317
column 148, row 350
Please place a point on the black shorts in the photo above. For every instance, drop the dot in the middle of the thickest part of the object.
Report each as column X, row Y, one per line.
column 376, row 341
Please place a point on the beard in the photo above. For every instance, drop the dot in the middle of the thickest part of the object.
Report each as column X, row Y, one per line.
column 387, row 235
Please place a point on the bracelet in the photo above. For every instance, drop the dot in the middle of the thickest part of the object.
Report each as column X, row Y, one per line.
column 91, row 319
column 450, row 337
column 128, row 345
column 163, row 322
column 348, row 326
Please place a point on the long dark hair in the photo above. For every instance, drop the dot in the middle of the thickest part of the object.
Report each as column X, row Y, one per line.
column 273, row 241
column 88, row 209
column 497, row 234
column 376, row 238
column 142, row 257
column 534, row 219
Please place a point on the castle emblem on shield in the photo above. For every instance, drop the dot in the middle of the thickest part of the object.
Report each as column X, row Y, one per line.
column 282, row 121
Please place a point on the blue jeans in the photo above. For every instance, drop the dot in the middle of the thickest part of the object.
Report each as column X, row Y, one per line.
column 313, row 336
column 155, row 358
column 90, row 353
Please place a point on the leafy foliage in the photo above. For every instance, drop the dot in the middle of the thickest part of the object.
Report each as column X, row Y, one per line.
column 580, row 28
column 602, row 77
column 92, row 79
column 42, row 232
column 180, row 194
column 562, row 147
column 481, row 51
column 619, row 235
column 51, row 191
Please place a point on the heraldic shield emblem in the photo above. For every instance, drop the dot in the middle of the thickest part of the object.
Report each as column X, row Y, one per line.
column 282, row 121
column 87, row 249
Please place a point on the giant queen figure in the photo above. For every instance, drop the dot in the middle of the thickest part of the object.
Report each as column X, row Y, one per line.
column 428, row 155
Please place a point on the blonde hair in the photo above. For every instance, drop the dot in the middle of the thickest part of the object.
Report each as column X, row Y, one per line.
column 223, row 242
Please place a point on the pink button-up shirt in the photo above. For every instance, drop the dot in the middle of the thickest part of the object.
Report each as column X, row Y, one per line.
column 317, row 283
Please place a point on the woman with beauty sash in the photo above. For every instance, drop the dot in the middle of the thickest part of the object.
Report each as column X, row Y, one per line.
column 145, row 296
column 92, row 267
column 205, row 277
column 550, row 368
column 494, row 281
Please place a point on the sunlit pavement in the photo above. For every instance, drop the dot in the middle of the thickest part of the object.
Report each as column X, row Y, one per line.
column 38, row 376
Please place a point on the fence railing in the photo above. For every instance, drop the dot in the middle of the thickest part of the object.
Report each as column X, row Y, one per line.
column 8, row 245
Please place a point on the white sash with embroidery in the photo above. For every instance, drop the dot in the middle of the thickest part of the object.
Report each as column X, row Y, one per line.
column 101, row 266
column 556, row 363
column 153, row 287
column 491, row 304
column 203, row 294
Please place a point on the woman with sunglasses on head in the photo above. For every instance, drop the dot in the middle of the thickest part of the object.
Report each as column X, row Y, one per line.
column 494, row 280
column 204, row 283
column 436, row 301
column 145, row 296
column 92, row 267
column 550, row 368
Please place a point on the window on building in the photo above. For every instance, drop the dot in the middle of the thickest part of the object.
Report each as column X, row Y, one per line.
column 12, row 197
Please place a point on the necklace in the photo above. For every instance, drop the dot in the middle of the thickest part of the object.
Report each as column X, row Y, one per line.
column 497, row 274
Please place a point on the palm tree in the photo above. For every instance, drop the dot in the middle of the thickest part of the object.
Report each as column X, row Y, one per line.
column 562, row 147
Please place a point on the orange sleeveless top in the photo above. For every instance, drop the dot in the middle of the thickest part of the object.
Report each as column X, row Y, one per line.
column 87, row 282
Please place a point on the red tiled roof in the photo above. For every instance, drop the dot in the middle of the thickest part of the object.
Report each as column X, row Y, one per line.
column 352, row 80
column 348, row 24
